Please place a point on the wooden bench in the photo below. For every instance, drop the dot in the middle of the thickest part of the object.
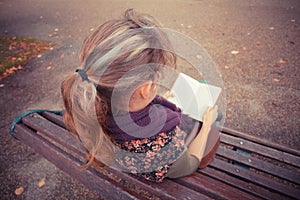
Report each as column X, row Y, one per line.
column 245, row 167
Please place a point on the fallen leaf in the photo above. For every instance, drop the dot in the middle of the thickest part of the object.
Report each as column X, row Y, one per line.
column 19, row 191
column 272, row 28
column 261, row 65
column 49, row 67
column 62, row 56
column 226, row 67
column 234, row 52
column 39, row 56
column 42, row 182
column 276, row 80
column 228, row 115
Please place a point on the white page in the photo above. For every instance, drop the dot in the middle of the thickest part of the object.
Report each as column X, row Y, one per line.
column 193, row 97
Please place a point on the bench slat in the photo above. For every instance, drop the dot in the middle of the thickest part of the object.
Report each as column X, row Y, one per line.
column 54, row 132
column 56, row 119
column 261, row 150
column 70, row 165
column 260, row 164
column 255, row 178
column 263, row 142
column 165, row 190
column 214, row 187
column 241, row 184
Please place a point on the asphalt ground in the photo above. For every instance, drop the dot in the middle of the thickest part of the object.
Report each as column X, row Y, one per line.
column 261, row 78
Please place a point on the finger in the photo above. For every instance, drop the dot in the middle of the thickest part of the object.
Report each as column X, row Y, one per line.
column 215, row 107
column 209, row 108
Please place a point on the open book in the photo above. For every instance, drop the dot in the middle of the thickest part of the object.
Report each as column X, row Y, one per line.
column 193, row 97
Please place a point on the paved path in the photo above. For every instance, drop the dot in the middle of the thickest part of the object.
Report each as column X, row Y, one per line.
column 261, row 81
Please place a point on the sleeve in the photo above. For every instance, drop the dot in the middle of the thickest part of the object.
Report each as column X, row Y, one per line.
column 185, row 165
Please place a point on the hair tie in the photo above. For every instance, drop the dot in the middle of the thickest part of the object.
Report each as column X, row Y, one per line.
column 83, row 75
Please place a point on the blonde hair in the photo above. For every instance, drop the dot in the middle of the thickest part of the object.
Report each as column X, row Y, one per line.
column 111, row 51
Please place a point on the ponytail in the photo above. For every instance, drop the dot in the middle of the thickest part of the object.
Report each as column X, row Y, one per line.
column 82, row 103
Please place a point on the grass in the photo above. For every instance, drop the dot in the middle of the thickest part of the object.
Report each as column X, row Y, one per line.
column 16, row 51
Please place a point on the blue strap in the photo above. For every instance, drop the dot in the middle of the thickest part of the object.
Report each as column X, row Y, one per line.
column 19, row 118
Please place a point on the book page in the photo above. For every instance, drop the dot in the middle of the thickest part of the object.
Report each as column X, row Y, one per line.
column 193, row 97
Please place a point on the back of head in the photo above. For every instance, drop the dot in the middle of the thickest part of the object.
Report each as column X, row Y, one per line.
column 118, row 54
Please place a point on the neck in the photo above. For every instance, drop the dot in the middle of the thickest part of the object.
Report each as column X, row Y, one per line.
column 137, row 105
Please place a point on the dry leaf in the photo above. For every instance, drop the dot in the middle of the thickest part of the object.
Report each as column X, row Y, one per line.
column 276, row 80
column 281, row 61
column 62, row 56
column 42, row 182
column 234, row 52
column 227, row 67
column 19, row 191
column 261, row 65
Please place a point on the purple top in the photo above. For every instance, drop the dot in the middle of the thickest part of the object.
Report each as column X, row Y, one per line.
column 158, row 116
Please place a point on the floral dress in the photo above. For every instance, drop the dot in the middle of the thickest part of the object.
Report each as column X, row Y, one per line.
column 151, row 157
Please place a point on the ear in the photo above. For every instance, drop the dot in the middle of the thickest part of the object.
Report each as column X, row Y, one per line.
column 145, row 90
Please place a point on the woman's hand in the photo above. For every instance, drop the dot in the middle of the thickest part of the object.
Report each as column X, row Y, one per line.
column 168, row 94
column 197, row 147
column 210, row 116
